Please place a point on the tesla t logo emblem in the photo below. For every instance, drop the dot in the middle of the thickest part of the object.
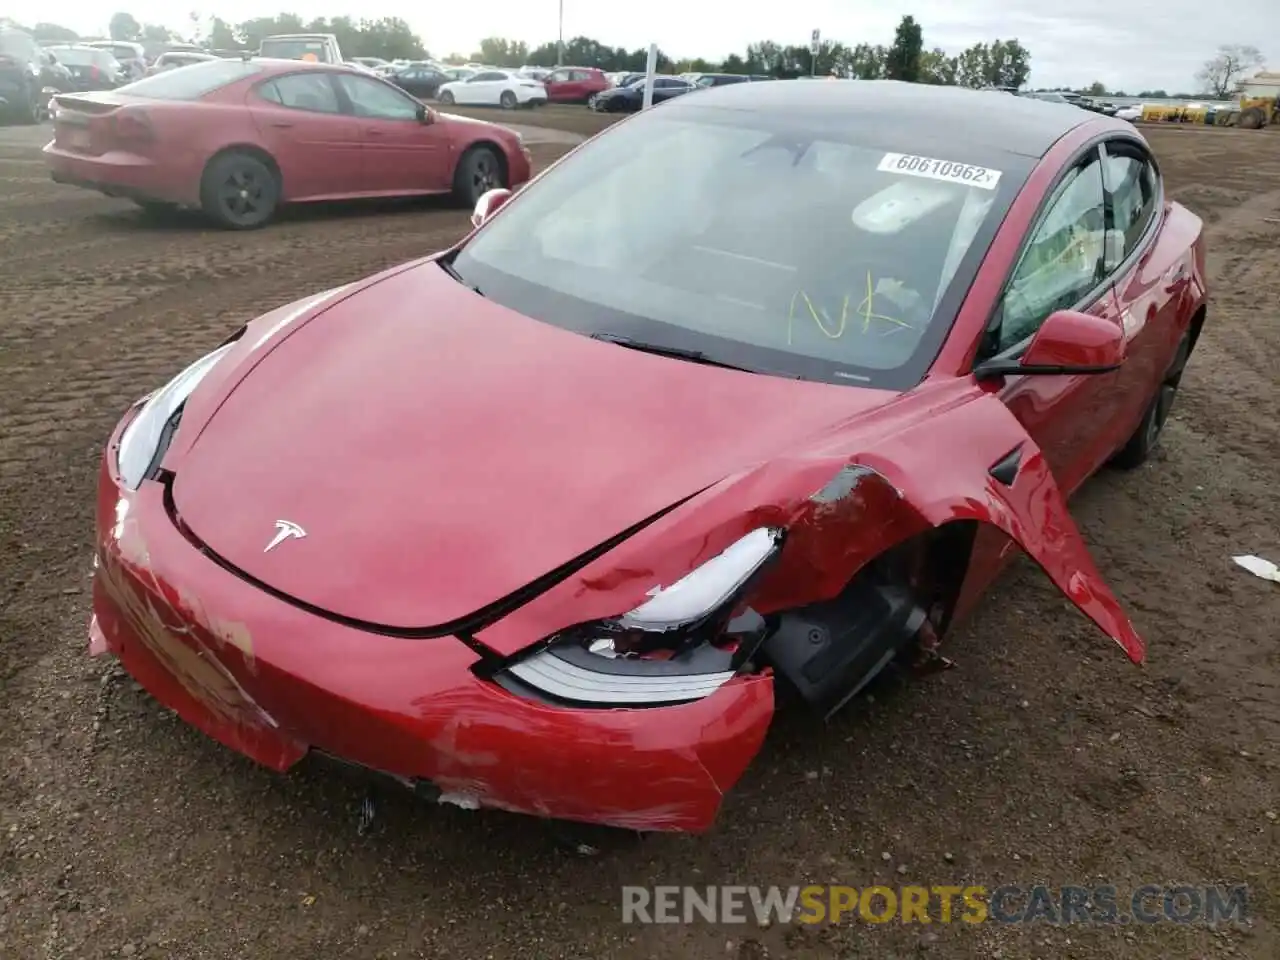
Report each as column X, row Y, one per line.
column 285, row 530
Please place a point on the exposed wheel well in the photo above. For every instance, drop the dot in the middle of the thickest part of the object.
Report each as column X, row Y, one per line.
column 902, row 601
column 932, row 565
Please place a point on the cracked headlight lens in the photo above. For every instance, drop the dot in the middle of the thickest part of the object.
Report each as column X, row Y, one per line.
column 148, row 434
column 601, row 664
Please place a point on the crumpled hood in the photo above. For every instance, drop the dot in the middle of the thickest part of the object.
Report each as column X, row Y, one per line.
column 439, row 452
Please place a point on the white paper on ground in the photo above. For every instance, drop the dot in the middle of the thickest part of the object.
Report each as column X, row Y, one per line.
column 1259, row 567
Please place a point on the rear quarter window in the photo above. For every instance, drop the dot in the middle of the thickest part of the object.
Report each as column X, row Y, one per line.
column 193, row 82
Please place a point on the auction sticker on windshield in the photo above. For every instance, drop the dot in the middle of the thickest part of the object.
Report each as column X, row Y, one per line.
column 931, row 168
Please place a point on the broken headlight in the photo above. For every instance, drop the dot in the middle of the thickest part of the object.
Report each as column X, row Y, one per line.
column 670, row 649
column 145, row 439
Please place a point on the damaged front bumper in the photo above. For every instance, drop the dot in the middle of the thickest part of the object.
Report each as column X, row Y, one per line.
column 275, row 682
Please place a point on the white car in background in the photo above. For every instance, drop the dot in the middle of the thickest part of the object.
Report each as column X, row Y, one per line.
column 494, row 88
column 1131, row 113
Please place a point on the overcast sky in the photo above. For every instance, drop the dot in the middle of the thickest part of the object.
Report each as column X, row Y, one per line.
column 1125, row 44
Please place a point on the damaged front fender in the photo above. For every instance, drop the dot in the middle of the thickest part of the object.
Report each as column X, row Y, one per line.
column 843, row 511
column 999, row 476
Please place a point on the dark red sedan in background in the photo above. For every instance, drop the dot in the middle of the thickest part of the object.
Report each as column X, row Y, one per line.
column 574, row 84
column 238, row 138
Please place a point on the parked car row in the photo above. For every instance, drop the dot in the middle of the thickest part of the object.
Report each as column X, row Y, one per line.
column 31, row 73
column 532, row 86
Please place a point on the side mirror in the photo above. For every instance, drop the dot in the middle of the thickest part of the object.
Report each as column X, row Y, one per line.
column 489, row 203
column 1067, row 343
column 424, row 114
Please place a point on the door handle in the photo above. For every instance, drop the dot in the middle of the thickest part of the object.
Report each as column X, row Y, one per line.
column 281, row 124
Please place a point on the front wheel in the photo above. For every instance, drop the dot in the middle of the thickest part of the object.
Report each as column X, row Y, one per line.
column 446, row 97
column 239, row 192
column 508, row 100
column 1140, row 446
column 479, row 171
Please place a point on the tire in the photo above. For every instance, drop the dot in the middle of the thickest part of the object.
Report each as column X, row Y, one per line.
column 508, row 100
column 446, row 97
column 1252, row 119
column 239, row 192
column 1138, row 449
column 479, row 170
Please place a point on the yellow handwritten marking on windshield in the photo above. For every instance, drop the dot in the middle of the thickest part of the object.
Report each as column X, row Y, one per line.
column 865, row 310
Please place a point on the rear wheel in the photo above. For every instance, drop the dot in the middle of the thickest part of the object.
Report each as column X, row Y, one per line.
column 446, row 97
column 239, row 192
column 508, row 100
column 479, row 171
column 1252, row 119
column 1140, row 446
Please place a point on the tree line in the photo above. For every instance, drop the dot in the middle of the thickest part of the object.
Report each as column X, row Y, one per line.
column 999, row 63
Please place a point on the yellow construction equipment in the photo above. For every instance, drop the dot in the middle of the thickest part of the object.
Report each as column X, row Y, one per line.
column 1258, row 106
column 1259, row 101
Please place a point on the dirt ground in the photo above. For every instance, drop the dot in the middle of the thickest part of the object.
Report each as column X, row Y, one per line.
column 567, row 117
column 1043, row 757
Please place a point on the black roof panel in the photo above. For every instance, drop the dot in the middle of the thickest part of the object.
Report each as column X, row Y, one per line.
column 989, row 121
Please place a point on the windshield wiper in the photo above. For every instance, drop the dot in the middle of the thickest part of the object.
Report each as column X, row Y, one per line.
column 678, row 353
column 448, row 267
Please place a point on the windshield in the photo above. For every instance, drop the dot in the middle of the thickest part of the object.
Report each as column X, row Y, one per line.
column 785, row 245
column 191, row 82
column 16, row 44
column 84, row 57
column 294, row 49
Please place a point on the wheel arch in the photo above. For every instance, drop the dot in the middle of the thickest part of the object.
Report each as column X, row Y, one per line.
column 493, row 147
column 899, row 603
column 253, row 150
column 1197, row 324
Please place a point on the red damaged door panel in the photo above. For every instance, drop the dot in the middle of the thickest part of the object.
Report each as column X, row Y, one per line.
column 998, row 475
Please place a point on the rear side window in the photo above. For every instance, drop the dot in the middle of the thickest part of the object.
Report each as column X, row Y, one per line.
column 192, row 83
column 302, row 91
column 1131, row 181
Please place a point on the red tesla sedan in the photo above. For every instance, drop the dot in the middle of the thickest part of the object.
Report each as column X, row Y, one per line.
column 748, row 395
column 238, row 138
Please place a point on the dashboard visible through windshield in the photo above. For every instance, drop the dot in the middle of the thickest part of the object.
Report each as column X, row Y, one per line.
column 784, row 249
